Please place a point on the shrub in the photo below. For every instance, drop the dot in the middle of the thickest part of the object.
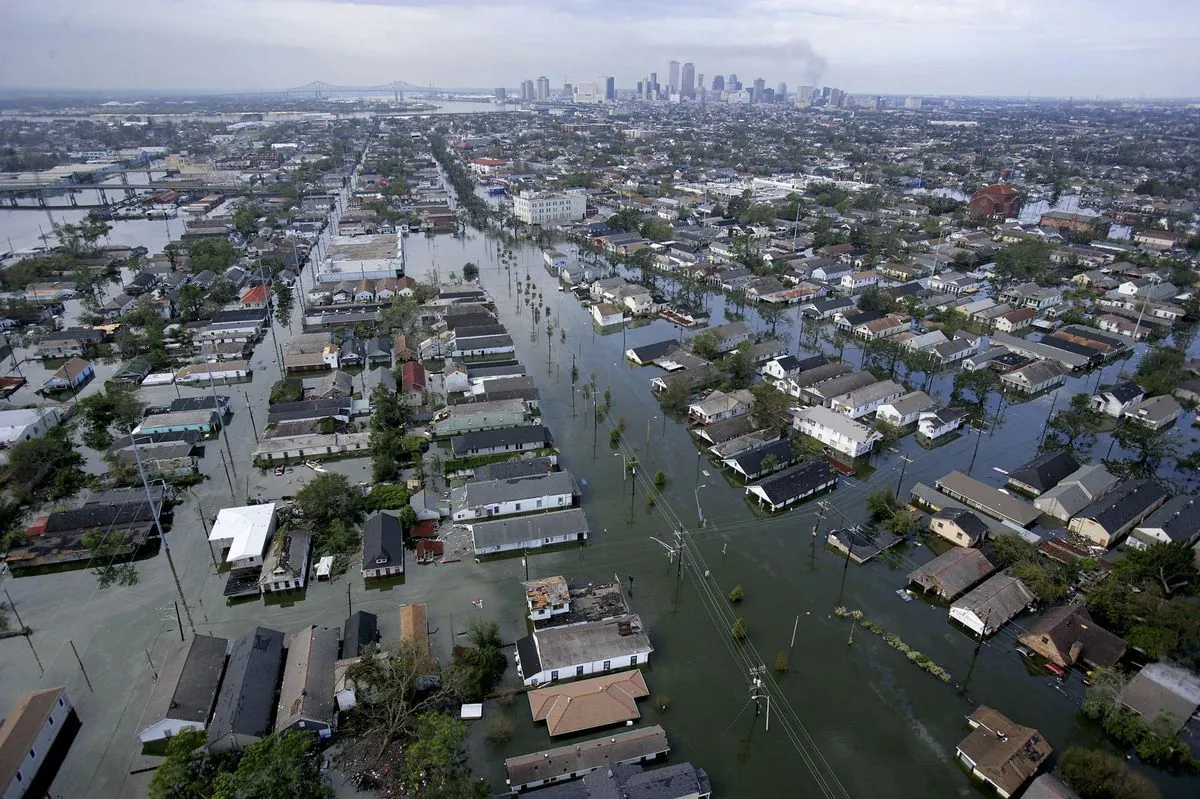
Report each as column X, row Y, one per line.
column 738, row 631
column 736, row 594
column 781, row 662
column 501, row 729
column 660, row 480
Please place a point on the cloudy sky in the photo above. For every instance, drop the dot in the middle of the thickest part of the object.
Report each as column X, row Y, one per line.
column 1109, row 48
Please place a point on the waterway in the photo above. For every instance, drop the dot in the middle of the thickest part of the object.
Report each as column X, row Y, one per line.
column 859, row 711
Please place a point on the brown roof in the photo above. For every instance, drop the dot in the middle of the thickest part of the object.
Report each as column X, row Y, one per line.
column 1006, row 754
column 624, row 747
column 1068, row 635
column 587, row 704
column 21, row 728
column 414, row 625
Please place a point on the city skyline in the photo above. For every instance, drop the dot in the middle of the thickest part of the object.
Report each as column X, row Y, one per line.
column 1073, row 48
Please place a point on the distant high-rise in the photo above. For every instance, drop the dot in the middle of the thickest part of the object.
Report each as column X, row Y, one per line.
column 652, row 90
column 687, row 85
column 732, row 84
column 718, row 84
column 837, row 98
column 805, row 95
column 700, row 81
column 527, row 90
column 768, row 96
column 543, row 88
column 641, row 90
column 568, row 90
column 825, row 90
column 501, row 94
column 673, row 77
column 912, row 102
column 610, row 88
column 759, row 86
column 781, row 92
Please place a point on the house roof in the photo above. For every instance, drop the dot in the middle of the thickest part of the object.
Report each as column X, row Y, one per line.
column 501, row 532
column 587, row 704
column 245, row 527
column 492, row 492
column 1048, row 786
column 1007, row 754
column 912, row 402
column 383, row 541
column 751, row 461
column 953, row 572
column 967, row 521
column 1178, row 518
column 990, row 499
column 840, row 385
column 546, row 592
column 1035, row 373
column 360, row 631
column 307, row 690
column 998, row 600
column 22, row 727
column 73, row 368
column 1160, row 409
column 187, row 682
column 649, row 352
column 1045, row 471
column 1164, row 694
column 503, row 437
column 726, row 429
column 868, row 394
column 92, row 517
column 1070, row 624
column 414, row 625
column 795, row 482
column 645, row 742
column 506, row 470
column 1125, row 391
column 248, row 692
column 1124, row 504
column 591, row 642
column 840, row 424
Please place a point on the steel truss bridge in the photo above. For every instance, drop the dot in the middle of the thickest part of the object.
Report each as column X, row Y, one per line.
column 320, row 87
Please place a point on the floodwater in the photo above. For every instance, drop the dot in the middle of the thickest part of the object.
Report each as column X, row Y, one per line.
column 859, row 711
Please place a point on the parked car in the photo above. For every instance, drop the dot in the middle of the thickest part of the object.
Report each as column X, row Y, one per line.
column 1057, row 670
column 1025, row 651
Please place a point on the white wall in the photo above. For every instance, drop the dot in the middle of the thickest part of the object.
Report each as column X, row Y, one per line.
column 168, row 728
column 28, row 768
column 524, row 505
column 534, row 543
column 595, row 667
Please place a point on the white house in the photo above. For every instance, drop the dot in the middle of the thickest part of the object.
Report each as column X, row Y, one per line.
column 186, row 689
column 577, row 650
column 606, row 314
column 547, row 598
column 542, row 492
column 718, row 406
column 837, row 431
column 245, row 531
column 906, row 409
column 529, row 532
column 854, row 281
column 285, row 566
column 990, row 606
column 1154, row 412
column 1116, row 400
column 71, row 375
column 28, row 735
column 26, row 424
column 935, row 424
column 866, row 400
column 544, row 207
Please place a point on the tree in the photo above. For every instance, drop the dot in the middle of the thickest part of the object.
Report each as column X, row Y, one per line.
column 1027, row 260
column 738, row 631
column 116, row 408
column 771, row 313
column 285, row 301
column 330, row 497
column 470, row 271
column 1077, row 426
column 804, row 448
column 215, row 255
column 483, row 664
column 675, row 396
column 1098, row 775
column 1151, row 448
column 972, row 387
column 706, row 345
column 105, row 548
column 782, row 664
column 656, row 229
column 739, row 366
column 189, row 300
column 736, row 594
column 387, row 498
column 876, row 299
column 46, row 467
column 188, row 770
column 660, row 480
column 245, row 221
column 1161, row 370
column 389, row 690
column 882, row 503
column 770, row 406
column 1168, row 566
column 280, row 767
column 435, row 759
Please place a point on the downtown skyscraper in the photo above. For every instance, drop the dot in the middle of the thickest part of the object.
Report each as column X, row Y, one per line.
column 687, row 85
column 673, row 77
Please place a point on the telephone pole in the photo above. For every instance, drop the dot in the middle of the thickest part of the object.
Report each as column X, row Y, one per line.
column 812, row 547
column 846, row 565
column 975, row 657
column 905, row 460
column 757, row 693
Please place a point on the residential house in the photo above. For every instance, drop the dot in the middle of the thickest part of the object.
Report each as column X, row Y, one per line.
column 990, row 500
column 543, row 492
column 905, row 409
column 1075, row 492
column 1107, row 519
column 1035, row 378
column 529, row 532
column 29, row 733
column 953, row 572
column 1043, row 473
column 758, row 461
column 1114, row 401
column 651, row 352
column 1031, row 295
column 859, row 546
column 956, row 349
column 1068, row 635
column 186, row 689
column 547, row 597
column 471, row 417
column 1048, row 786
column 793, row 485
column 889, row 325
column 203, row 421
column 718, row 406
column 925, row 341
column 243, row 711
column 858, row 280
column 306, row 693
column 1178, row 521
column 70, row 376
column 1155, row 413
column 863, row 401
column 245, row 531
column 823, row 392
column 606, row 314
column 285, row 566
column 1112, row 323
column 360, row 631
column 1014, row 321
column 1002, row 754
column 25, row 424
column 609, row 757
column 934, row 424
column 729, row 336
column 577, row 650
column 837, row 431
column 492, row 442
column 588, row 704
column 989, row 607
column 1165, row 696
column 959, row 526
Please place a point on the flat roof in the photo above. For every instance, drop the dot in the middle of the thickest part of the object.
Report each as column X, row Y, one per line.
column 246, row 528
column 646, row 742
column 564, row 647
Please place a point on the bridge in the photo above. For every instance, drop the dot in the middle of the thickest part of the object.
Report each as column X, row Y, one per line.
column 318, row 88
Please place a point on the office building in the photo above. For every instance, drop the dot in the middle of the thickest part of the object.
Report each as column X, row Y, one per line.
column 568, row 91
column 527, row 92
column 542, row 207
column 610, row 88
column 781, row 92
column 543, row 88
column 837, row 98
column 687, row 86
column 768, row 96
column 588, row 93
column 653, row 91
column 757, row 95
column 732, row 84
column 673, row 77
column 501, row 94
column 825, row 90
column 912, row 102
column 804, row 96
column 718, row 84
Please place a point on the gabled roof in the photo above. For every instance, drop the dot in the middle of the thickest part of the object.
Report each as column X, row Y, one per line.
column 248, row 692
column 1007, row 754
column 1070, row 624
column 503, row 437
column 1128, row 501
column 187, row 682
column 966, row 520
column 795, row 482
column 383, row 541
column 1165, row 695
column 307, row 690
column 998, row 600
column 360, row 631
column 1045, row 471
column 1125, row 391
column 21, row 729
column 953, row 572
column 587, row 704
column 1178, row 518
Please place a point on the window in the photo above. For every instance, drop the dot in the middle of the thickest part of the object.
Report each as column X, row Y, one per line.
column 32, row 754
column 607, row 665
column 554, row 675
column 633, row 660
column 51, row 720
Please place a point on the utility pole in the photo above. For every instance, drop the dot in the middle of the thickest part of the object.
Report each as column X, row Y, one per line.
column 812, row 548
column 905, row 460
column 978, row 438
column 228, row 479
column 853, row 621
column 846, row 565
column 349, row 604
column 795, row 627
column 756, row 686
column 81, row 668
column 1046, row 426
column 975, row 657
column 250, row 410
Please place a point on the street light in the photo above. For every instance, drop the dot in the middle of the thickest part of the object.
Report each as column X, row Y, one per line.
column 699, row 510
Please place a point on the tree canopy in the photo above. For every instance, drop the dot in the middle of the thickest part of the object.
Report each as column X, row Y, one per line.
column 328, row 498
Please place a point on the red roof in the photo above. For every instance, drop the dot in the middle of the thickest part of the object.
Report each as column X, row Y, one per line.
column 412, row 376
column 489, row 161
column 998, row 191
column 426, row 528
column 256, row 294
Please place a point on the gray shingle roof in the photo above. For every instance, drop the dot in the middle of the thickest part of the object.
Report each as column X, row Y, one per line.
column 248, row 693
